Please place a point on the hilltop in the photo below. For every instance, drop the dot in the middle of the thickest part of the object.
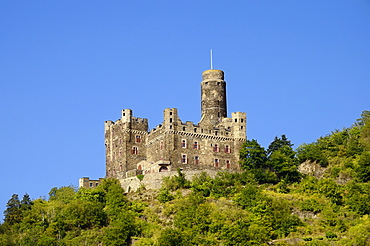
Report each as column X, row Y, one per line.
column 316, row 194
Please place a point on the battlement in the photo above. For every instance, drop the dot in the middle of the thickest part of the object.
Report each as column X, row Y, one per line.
column 212, row 143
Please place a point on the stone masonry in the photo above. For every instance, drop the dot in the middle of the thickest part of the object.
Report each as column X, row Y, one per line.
column 211, row 144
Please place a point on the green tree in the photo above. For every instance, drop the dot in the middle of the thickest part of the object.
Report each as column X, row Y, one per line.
column 277, row 143
column 13, row 213
column 363, row 167
column 313, row 153
column 172, row 237
column 63, row 194
column 285, row 164
column 26, row 203
column 252, row 155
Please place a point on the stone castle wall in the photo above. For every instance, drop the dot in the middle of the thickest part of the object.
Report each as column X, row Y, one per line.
column 212, row 144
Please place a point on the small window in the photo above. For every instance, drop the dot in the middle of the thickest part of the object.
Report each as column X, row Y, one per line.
column 196, row 145
column 161, row 145
column 218, row 83
column 216, row 132
column 138, row 139
column 120, row 140
column 215, row 148
column 170, row 120
column 206, row 83
column 184, row 128
column 170, row 113
column 195, row 129
column 241, row 120
column 96, row 184
column 134, row 150
column 236, row 120
column 196, row 160
column 91, row 184
column 184, row 159
column 228, row 165
column 170, row 127
column 183, row 143
column 241, row 127
column 227, row 149
column 216, row 162
column 124, row 114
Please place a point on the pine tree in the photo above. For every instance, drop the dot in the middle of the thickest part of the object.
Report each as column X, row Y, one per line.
column 26, row 202
column 13, row 213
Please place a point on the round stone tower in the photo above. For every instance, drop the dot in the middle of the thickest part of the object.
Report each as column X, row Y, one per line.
column 213, row 89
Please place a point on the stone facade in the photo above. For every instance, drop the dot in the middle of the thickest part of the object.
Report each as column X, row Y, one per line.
column 88, row 183
column 211, row 144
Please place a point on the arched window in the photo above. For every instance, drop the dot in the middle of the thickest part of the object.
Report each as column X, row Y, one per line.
column 216, row 148
column 184, row 159
column 228, row 165
column 227, row 149
column 216, row 162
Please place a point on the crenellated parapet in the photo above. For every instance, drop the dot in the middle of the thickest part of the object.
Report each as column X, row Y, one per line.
column 213, row 143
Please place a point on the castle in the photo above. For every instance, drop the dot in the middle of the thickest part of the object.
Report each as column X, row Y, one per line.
column 212, row 144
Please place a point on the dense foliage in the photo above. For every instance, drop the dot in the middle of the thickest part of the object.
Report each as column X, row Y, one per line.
column 270, row 202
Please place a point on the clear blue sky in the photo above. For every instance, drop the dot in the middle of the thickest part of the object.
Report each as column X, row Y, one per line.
column 299, row 68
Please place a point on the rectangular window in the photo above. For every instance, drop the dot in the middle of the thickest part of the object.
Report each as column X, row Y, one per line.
column 138, row 138
column 215, row 148
column 196, row 145
column 134, row 150
column 228, row 165
column 227, row 149
column 184, row 159
column 196, row 160
column 216, row 162
column 183, row 143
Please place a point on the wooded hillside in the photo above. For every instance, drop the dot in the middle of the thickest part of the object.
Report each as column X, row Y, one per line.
column 270, row 202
